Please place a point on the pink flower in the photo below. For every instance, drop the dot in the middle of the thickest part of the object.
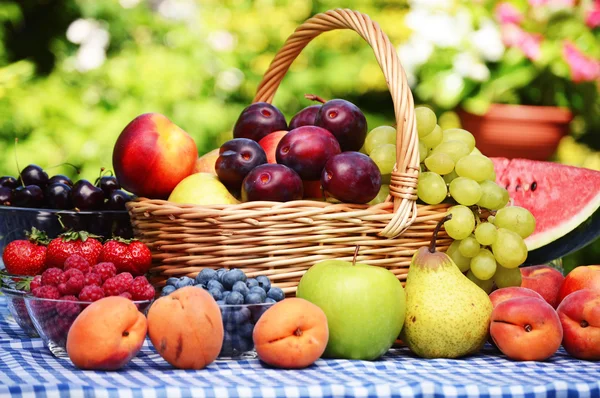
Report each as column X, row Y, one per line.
column 508, row 13
column 529, row 43
column 583, row 68
column 592, row 19
column 559, row 3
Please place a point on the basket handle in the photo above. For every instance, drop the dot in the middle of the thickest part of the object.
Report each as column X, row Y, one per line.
column 404, row 177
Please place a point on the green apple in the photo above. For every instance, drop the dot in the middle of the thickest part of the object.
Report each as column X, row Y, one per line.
column 365, row 307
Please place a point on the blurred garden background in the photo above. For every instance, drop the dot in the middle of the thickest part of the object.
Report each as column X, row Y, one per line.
column 73, row 73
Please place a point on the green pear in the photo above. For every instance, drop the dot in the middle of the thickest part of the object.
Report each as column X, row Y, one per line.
column 447, row 315
column 202, row 189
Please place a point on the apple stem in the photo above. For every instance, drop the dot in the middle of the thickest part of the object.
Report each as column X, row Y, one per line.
column 435, row 232
column 355, row 254
column 313, row 97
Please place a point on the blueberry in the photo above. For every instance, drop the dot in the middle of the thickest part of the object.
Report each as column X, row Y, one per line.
column 167, row 290
column 220, row 302
column 241, row 316
column 207, row 274
column 264, row 282
column 227, row 347
column 241, row 288
column 225, row 294
column 172, row 281
column 253, row 298
column 269, row 300
column 184, row 281
column 251, row 283
column 240, row 344
column 229, row 278
column 220, row 272
column 213, row 284
column 276, row 293
column 259, row 290
column 246, row 330
column 234, row 298
column 230, row 326
column 216, row 293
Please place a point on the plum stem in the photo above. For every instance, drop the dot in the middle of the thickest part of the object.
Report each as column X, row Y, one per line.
column 436, row 231
column 313, row 97
column 355, row 254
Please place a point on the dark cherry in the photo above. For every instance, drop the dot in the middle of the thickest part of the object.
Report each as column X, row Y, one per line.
column 58, row 196
column 108, row 184
column 258, row 120
column 351, row 177
column 345, row 121
column 59, row 178
column 236, row 158
column 6, row 196
column 306, row 117
column 272, row 182
column 86, row 196
column 306, row 149
column 34, row 175
column 28, row 196
column 9, row 182
column 117, row 199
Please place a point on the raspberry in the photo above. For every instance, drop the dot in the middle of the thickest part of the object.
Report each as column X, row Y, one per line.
column 52, row 277
column 74, row 282
column 35, row 283
column 66, row 309
column 141, row 289
column 91, row 293
column 91, row 278
column 47, row 292
column 105, row 270
column 127, row 295
column 78, row 262
column 117, row 284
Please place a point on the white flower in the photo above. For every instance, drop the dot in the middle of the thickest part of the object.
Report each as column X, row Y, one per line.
column 80, row 29
column 129, row 3
column 440, row 28
column 468, row 65
column 222, row 40
column 178, row 10
column 488, row 41
column 432, row 4
column 230, row 79
column 89, row 57
column 414, row 53
column 93, row 40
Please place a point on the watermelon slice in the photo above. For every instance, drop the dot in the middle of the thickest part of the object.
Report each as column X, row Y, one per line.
column 564, row 200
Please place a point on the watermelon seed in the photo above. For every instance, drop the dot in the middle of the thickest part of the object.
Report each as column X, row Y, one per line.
column 533, row 186
column 517, row 187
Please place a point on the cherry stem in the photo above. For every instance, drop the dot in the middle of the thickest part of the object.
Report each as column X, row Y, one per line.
column 436, row 231
column 17, row 162
column 65, row 164
column 355, row 254
column 313, row 97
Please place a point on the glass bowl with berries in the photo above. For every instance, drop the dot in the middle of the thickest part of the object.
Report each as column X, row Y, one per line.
column 242, row 301
column 55, row 204
column 14, row 288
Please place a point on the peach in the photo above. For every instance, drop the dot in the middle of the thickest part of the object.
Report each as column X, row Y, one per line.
column 526, row 329
column 152, row 155
column 269, row 144
column 206, row 162
column 107, row 334
column 291, row 334
column 582, row 277
column 579, row 314
column 543, row 279
column 186, row 328
column 508, row 293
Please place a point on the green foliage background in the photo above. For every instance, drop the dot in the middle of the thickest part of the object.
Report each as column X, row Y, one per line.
column 157, row 64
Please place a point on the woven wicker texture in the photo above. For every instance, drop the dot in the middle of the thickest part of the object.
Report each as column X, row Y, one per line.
column 282, row 240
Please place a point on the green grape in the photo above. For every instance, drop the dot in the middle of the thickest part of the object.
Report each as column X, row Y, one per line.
column 462, row 223
column 465, row 191
column 493, row 196
column 509, row 248
column 426, row 120
column 491, row 220
column 460, row 135
column 423, row 151
column 485, row 233
column 476, row 151
column 383, row 193
column 469, row 247
column 380, row 135
column 483, row 265
column 507, row 277
column 450, row 177
column 431, row 188
column 456, row 149
column 475, row 167
column 517, row 219
column 493, row 175
column 384, row 157
column 440, row 163
column 453, row 247
column 434, row 138
column 386, row 178
column 463, row 263
column 486, row 286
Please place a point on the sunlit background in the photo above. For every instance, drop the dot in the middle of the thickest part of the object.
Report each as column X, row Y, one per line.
column 73, row 73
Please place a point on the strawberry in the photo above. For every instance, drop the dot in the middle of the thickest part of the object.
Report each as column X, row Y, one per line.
column 128, row 255
column 69, row 243
column 26, row 256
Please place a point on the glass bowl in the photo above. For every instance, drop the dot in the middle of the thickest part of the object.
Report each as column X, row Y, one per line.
column 53, row 319
column 14, row 221
column 18, row 310
column 238, row 325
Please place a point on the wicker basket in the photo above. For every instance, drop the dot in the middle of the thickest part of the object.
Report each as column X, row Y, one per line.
column 282, row 240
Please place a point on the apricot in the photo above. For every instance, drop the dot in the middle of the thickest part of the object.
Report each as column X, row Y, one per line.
column 579, row 314
column 186, row 328
column 543, row 279
column 526, row 329
column 508, row 293
column 292, row 334
column 107, row 334
column 582, row 277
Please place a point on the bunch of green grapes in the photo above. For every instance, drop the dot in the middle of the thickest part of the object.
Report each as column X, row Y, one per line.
column 380, row 145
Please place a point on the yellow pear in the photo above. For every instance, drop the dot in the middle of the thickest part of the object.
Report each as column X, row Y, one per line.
column 202, row 189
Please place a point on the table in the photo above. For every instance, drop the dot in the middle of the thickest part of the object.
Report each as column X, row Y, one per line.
column 28, row 368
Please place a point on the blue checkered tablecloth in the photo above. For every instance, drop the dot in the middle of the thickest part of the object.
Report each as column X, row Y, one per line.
column 28, row 368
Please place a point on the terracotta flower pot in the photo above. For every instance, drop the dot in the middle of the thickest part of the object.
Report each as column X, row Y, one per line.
column 518, row 131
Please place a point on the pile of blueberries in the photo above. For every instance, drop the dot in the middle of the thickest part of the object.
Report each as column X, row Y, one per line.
column 242, row 301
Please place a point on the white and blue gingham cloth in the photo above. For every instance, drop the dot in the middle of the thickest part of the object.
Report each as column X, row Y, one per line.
column 27, row 368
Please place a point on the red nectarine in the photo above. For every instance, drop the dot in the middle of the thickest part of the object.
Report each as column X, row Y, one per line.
column 582, row 277
column 543, row 279
column 579, row 314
